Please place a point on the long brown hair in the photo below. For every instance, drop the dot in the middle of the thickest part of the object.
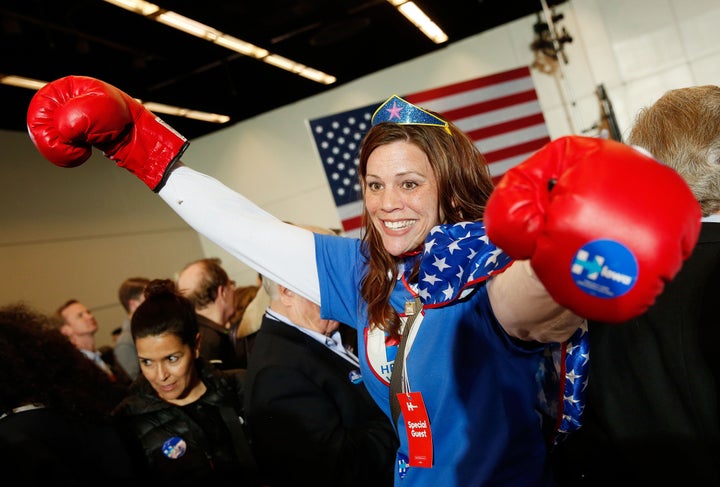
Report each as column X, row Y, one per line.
column 464, row 186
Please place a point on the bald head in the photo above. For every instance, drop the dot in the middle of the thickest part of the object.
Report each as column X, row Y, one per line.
column 206, row 284
column 191, row 278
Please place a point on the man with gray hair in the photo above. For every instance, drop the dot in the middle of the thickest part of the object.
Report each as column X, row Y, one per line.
column 653, row 395
column 307, row 407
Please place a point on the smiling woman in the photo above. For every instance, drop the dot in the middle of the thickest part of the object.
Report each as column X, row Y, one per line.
column 183, row 415
column 455, row 287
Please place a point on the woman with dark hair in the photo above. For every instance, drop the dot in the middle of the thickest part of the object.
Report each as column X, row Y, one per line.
column 458, row 289
column 55, row 424
column 184, row 416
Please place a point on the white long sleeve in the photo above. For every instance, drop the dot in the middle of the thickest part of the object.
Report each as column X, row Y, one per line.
column 283, row 252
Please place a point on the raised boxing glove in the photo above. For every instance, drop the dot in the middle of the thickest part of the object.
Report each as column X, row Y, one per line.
column 69, row 116
column 604, row 225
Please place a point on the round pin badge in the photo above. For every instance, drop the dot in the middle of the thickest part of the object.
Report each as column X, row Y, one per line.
column 174, row 447
column 604, row 268
column 355, row 377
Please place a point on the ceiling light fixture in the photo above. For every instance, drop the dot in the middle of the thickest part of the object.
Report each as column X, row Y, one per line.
column 415, row 15
column 197, row 29
column 34, row 84
column 19, row 81
column 184, row 112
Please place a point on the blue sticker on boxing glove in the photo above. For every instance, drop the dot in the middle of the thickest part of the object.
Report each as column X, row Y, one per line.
column 604, row 268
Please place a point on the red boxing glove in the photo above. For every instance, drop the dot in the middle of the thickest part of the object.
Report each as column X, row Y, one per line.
column 69, row 116
column 604, row 225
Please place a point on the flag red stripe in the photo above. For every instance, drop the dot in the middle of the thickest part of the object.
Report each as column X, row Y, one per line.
column 352, row 223
column 473, row 84
column 504, row 127
column 514, row 150
column 490, row 105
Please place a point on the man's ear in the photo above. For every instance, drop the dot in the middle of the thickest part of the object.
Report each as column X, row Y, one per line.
column 219, row 293
column 133, row 303
column 286, row 295
column 66, row 330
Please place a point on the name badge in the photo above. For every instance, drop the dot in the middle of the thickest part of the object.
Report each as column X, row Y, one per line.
column 417, row 426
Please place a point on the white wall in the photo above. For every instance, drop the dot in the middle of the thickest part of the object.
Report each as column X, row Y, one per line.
column 78, row 233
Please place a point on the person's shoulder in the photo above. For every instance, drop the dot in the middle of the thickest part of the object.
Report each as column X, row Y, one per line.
column 226, row 383
column 337, row 242
column 206, row 325
column 232, row 375
column 710, row 231
column 139, row 399
column 275, row 338
column 211, row 373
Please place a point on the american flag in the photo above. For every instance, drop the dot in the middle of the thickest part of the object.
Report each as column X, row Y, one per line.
column 500, row 112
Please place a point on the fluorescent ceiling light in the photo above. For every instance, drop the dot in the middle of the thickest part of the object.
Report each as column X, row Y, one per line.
column 197, row 29
column 34, row 84
column 420, row 20
column 31, row 84
column 184, row 112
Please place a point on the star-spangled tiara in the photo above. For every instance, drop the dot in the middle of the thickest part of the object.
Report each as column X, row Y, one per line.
column 397, row 110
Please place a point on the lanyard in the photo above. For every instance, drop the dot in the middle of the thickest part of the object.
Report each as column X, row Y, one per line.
column 398, row 381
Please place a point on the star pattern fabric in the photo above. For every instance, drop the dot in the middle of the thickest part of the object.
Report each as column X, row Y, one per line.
column 575, row 362
column 455, row 259
column 566, row 365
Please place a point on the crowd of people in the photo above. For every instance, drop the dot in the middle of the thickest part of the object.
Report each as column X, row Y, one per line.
column 476, row 334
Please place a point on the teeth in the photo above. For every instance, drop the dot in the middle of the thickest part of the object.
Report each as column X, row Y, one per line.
column 398, row 225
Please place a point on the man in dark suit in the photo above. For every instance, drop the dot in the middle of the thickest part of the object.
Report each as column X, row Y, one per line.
column 311, row 419
column 653, row 395
column 207, row 285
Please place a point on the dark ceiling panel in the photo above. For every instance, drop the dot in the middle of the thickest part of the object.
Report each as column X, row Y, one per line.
column 48, row 39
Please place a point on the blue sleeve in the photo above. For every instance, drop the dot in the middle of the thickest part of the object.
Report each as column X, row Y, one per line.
column 340, row 268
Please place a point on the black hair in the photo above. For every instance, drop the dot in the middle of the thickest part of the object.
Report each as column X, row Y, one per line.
column 39, row 365
column 165, row 311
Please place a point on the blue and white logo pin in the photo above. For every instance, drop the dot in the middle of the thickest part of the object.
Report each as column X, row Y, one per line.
column 174, row 447
column 355, row 376
column 402, row 465
column 604, row 268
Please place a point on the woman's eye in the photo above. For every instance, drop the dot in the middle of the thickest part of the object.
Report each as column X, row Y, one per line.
column 374, row 186
column 409, row 185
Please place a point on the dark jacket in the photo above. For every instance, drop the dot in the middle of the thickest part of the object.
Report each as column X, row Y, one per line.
column 653, row 405
column 50, row 447
column 216, row 450
column 311, row 420
column 216, row 346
